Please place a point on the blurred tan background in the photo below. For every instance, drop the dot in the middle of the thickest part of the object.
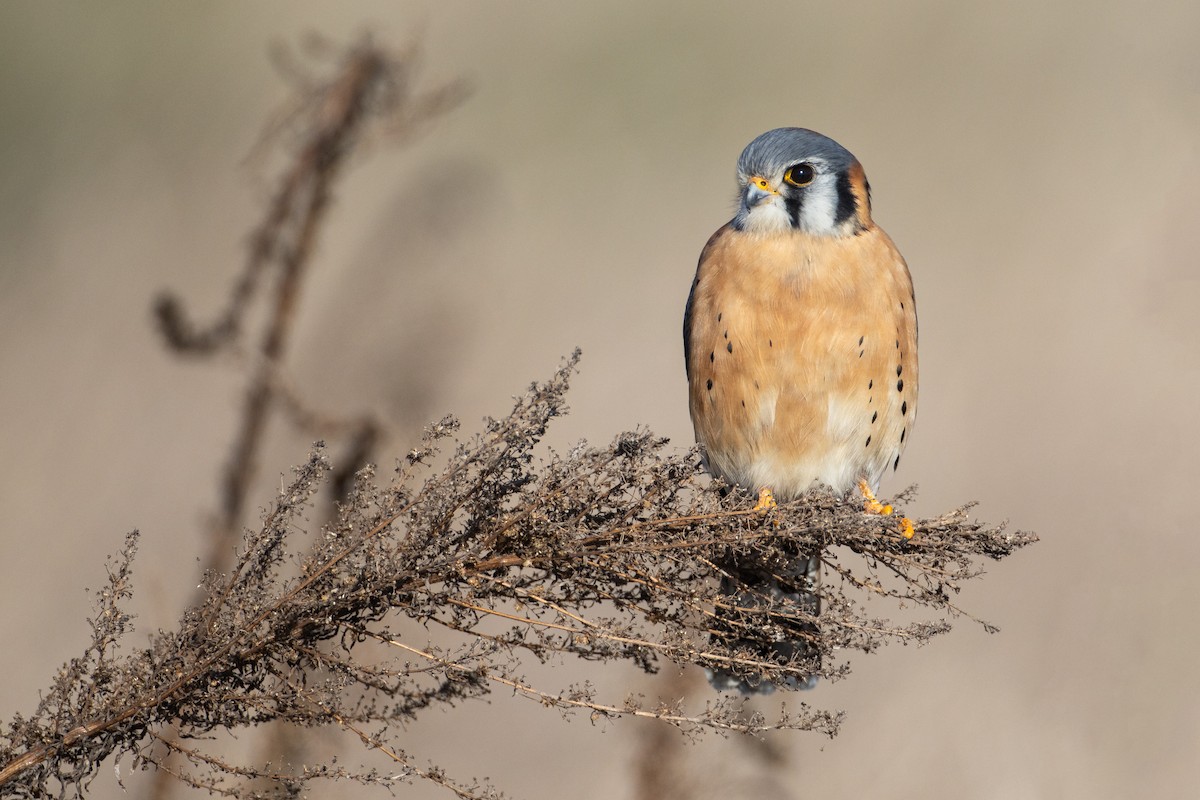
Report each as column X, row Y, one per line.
column 1037, row 164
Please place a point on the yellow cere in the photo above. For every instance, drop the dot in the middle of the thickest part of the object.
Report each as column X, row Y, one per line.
column 763, row 184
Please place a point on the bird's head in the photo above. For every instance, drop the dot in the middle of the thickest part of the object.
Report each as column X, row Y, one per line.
column 796, row 179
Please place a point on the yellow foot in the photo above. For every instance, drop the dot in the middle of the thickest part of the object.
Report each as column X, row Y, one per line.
column 766, row 501
column 873, row 506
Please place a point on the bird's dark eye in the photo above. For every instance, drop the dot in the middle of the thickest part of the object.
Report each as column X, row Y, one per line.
column 800, row 174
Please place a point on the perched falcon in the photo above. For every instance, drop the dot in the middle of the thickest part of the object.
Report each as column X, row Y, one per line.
column 801, row 343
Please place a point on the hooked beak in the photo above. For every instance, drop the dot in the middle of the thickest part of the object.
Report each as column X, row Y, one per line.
column 759, row 190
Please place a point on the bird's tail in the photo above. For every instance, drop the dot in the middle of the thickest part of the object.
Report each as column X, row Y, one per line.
column 793, row 630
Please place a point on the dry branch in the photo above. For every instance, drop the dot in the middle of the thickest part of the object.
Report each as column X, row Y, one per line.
column 602, row 553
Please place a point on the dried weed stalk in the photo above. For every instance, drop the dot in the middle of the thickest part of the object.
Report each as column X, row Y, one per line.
column 603, row 553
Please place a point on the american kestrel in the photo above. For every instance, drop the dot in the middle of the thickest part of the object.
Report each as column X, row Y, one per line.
column 801, row 343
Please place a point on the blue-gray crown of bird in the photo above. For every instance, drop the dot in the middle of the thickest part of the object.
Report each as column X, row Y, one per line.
column 775, row 150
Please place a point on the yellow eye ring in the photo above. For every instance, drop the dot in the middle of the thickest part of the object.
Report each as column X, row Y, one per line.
column 800, row 174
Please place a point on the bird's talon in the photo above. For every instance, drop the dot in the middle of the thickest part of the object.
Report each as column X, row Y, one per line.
column 871, row 502
column 766, row 501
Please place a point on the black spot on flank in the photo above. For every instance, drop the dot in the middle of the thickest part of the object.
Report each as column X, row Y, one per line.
column 902, row 432
column 712, row 356
column 770, row 343
column 744, row 405
column 729, row 346
column 899, row 369
column 710, row 384
column 901, row 305
column 860, row 340
column 860, row 353
column 870, row 400
column 897, row 344
column 900, row 385
column 726, row 334
column 874, row 417
column 896, row 463
column 719, row 315
column 868, row 444
column 904, row 409
column 871, row 383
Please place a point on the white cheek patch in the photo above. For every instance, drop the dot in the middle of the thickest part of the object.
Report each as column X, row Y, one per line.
column 818, row 213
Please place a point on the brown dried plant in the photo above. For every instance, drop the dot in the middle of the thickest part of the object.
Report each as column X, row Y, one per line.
column 603, row 553
column 610, row 554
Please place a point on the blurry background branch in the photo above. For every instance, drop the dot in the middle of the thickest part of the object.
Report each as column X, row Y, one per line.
column 605, row 554
column 370, row 91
